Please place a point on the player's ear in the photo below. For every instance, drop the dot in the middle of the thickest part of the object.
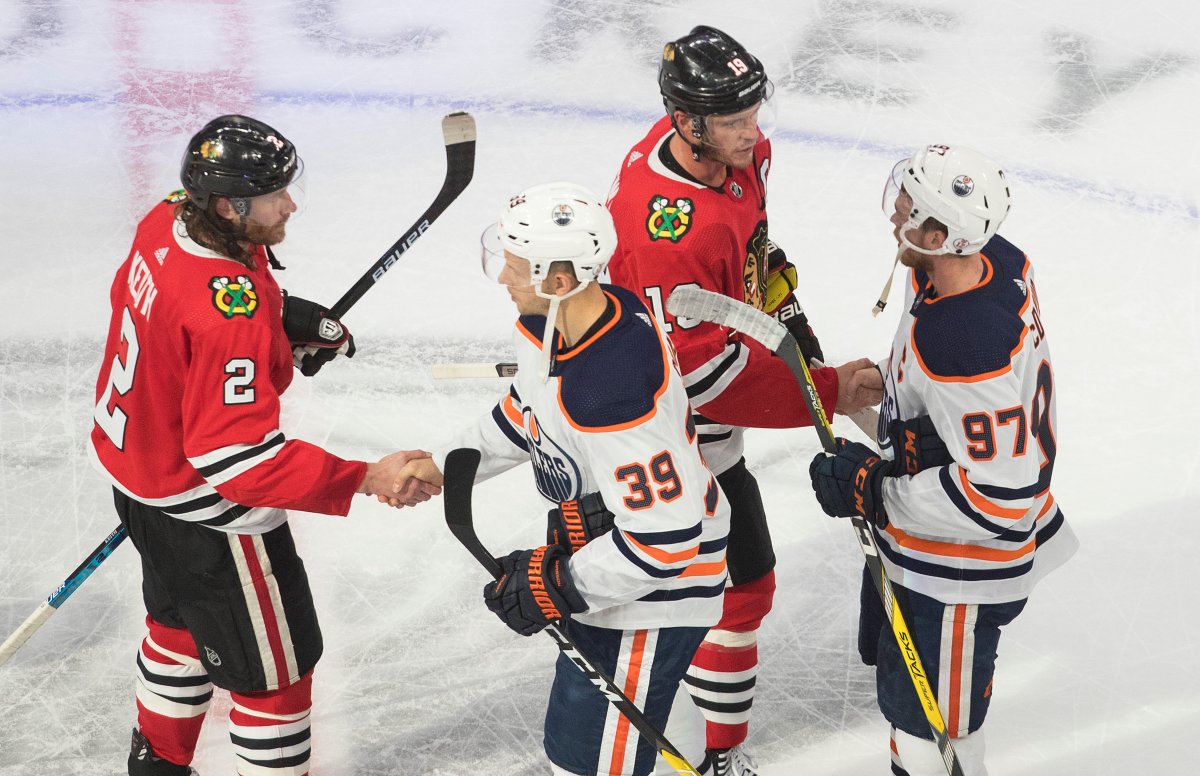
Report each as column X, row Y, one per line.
column 932, row 239
column 563, row 281
column 225, row 208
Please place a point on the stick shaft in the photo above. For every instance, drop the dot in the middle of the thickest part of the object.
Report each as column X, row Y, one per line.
column 61, row 594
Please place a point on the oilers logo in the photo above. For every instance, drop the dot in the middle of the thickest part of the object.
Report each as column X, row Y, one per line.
column 557, row 475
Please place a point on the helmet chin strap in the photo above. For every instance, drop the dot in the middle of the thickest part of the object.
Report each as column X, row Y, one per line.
column 551, row 322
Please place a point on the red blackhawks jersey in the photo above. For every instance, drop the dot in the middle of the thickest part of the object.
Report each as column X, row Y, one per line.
column 187, row 401
column 673, row 231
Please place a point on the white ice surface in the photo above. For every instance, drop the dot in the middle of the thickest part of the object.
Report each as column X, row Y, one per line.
column 1091, row 108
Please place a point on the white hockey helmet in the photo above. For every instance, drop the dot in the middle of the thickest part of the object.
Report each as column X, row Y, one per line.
column 552, row 222
column 958, row 186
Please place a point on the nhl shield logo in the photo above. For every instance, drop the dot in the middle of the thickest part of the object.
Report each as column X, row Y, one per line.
column 211, row 654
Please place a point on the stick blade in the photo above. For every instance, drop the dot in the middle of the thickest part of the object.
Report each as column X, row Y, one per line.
column 458, row 480
column 473, row 371
column 694, row 302
column 458, row 127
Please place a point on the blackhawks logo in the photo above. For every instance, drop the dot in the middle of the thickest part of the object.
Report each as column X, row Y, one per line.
column 234, row 298
column 754, row 271
column 669, row 221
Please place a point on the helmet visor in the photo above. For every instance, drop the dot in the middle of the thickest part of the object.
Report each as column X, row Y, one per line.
column 495, row 263
column 266, row 210
column 758, row 121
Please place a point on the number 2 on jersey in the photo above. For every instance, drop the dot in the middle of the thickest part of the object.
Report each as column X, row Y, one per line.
column 238, row 388
column 120, row 381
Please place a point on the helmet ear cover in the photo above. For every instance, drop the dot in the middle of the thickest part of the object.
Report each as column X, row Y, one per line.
column 237, row 157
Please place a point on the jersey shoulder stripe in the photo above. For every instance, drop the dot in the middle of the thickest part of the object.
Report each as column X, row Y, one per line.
column 974, row 335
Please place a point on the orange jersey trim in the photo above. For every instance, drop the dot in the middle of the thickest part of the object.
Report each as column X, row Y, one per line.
column 983, row 281
column 952, row 550
column 704, row 569
column 529, row 335
column 984, row 504
column 582, row 345
column 960, row 379
column 511, row 412
column 662, row 556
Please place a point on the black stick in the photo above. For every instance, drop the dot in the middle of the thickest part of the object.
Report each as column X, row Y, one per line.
column 693, row 302
column 459, row 481
column 458, row 131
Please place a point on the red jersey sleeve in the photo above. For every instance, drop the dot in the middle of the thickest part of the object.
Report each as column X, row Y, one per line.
column 231, row 428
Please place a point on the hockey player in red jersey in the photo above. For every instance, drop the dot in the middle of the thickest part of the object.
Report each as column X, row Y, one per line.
column 690, row 208
column 201, row 344
column 961, row 504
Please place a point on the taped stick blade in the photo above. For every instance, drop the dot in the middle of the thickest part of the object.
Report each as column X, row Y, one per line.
column 693, row 302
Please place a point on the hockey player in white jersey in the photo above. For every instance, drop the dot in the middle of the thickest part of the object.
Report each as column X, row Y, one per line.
column 963, row 514
column 599, row 409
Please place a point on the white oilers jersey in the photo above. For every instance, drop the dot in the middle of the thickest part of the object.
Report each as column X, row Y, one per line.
column 985, row 528
column 613, row 417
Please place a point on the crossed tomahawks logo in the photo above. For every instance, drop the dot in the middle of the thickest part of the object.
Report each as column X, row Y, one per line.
column 669, row 220
column 235, row 297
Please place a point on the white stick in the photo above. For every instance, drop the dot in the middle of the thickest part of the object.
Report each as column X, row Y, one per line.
column 471, row 371
column 26, row 629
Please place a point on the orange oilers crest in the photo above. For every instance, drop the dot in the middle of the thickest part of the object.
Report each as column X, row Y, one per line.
column 236, row 297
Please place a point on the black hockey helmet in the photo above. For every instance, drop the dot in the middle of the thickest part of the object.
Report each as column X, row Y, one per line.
column 237, row 157
column 707, row 73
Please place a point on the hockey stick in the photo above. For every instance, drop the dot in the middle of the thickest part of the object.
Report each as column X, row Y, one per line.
column 459, row 480
column 458, row 132
column 64, row 591
column 469, row 370
column 696, row 303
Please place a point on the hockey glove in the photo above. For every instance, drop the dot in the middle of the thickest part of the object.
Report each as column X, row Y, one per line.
column 316, row 337
column 851, row 482
column 535, row 590
column 916, row 446
column 780, row 301
column 575, row 523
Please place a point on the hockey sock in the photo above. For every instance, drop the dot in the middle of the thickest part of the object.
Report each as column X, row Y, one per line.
column 271, row 730
column 173, row 692
column 721, row 680
column 723, row 673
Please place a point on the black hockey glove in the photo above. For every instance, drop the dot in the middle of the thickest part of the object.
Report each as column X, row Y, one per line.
column 916, row 446
column 780, row 301
column 575, row 523
column 851, row 482
column 316, row 337
column 535, row 590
